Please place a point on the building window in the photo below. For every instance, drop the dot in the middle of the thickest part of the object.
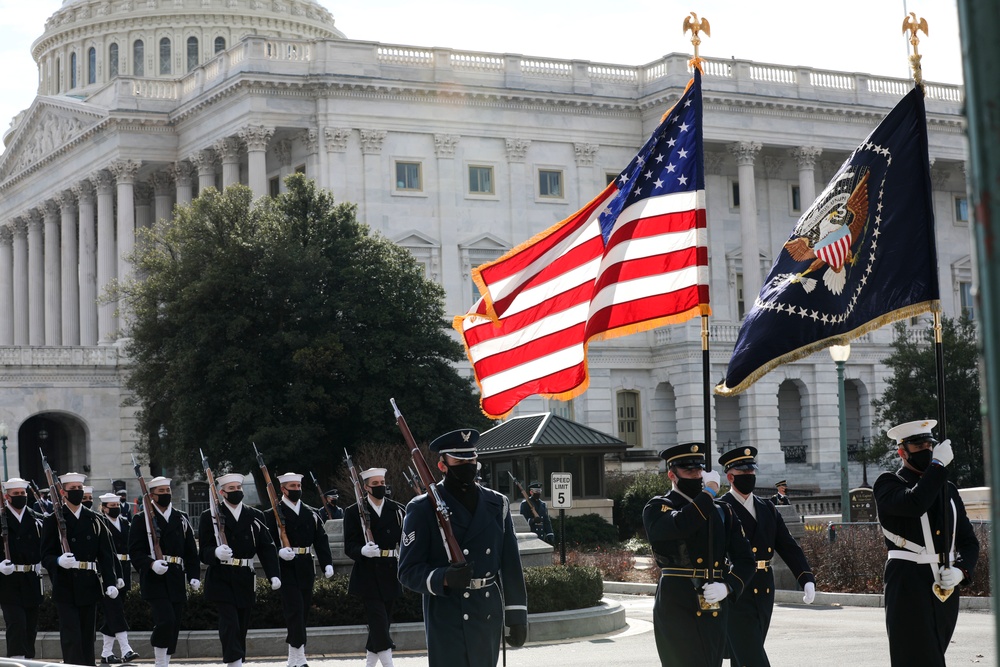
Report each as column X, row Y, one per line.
column 274, row 186
column 586, row 470
column 138, row 56
column 795, row 197
column 72, row 70
column 165, row 55
column 741, row 308
column 192, row 53
column 91, row 65
column 301, row 169
column 562, row 409
column 112, row 61
column 967, row 302
column 58, row 75
column 220, row 44
column 550, row 183
column 961, row 209
column 628, row 418
column 610, row 178
column 734, row 194
column 480, row 180
column 408, row 177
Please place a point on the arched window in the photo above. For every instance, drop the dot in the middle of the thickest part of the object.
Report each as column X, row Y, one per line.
column 192, row 53
column 112, row 61
column 72, row 70
column 165, row 55
column 91, row 65
column 58, row 75
column 138, row 57
column 220, row 44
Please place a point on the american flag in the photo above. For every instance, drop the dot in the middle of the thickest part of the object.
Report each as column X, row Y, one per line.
column 634, row 258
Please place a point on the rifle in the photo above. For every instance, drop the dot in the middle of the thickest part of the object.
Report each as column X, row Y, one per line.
column 534, row 513
column 411, row 479
column 359, row 496
column 57, row 506
column 38, row 497
column 451, row 546
column 213, row 502
column 3, row 528
column 152, row 529
column 278, row 519
column 322, row 496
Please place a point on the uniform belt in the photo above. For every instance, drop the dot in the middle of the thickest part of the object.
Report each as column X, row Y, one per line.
column 301, row 551
column 85, row 565
column 177, row 560
column 24, row 568
column 689, row 572
column 899, row 554
column 763, row 565
column 388, row 553
column 123, row 557
column 476, row 584
column 239, row 562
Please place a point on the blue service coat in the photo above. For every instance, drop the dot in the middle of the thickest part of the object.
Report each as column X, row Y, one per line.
column 464, row 628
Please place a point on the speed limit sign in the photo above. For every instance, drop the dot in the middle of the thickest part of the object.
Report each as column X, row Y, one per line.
column 562, row 491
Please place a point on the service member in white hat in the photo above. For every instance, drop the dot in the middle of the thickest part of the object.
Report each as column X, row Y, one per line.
column 932, row 547
column 229, row 581
column 82, row 575
column 115, row 627
column 162, row 583
column 306, row 536
column 20, row 589
column 88, row 497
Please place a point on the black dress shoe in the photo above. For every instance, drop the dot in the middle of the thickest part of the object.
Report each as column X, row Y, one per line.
column 110, row 660
column 130, row 656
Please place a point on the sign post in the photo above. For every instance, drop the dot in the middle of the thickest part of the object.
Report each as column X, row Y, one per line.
column 562, row 499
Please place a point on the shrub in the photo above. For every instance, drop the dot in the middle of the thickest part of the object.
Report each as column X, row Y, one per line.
column 642, row 489
column 559, row 587
column 637, row 547
column 613, row 564
column 588, row 529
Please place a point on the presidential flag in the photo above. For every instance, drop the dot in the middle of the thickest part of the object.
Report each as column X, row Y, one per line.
column 862, row 256
column 632, row 259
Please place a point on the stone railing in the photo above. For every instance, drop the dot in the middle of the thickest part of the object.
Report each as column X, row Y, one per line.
column 102, row 355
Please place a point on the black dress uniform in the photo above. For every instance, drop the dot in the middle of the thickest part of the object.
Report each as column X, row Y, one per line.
column 76, row 592
column 920, row 625
column 680, row 531
column 375, row 580
column 307, row 535
column 779, row 498
column 166, row 593
column 114, row 610
column 336, row 512
column 21, row 591
column 543, row 526
column 230, row 585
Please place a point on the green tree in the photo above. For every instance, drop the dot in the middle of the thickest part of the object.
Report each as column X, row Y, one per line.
column 911, row 393
column 284, row 322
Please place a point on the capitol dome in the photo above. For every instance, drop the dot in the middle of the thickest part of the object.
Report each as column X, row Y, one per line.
column 87, row 43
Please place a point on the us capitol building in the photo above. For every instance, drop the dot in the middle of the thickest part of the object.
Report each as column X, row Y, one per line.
column 455, row 155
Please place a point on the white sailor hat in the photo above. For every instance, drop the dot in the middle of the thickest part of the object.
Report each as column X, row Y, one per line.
column 372, row 472
column 15, row 483
column 73, row 478
column 915, row 431
column 229, row 479
column 460, row 444
column 289, row 477
column 110, row 498
column 159, row 481
column 88, row 489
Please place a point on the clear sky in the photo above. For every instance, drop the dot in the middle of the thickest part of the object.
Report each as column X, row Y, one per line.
column 849, row 35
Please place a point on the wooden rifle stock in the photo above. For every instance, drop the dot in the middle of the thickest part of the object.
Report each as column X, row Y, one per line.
column 213, row 503
column 278, row 519
column 359, row 497
column 322, row 496
column 152, row 530
column 451, row 545
column 526, row 497
column 54, row 490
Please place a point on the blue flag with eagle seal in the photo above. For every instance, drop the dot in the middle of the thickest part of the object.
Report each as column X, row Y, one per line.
column 862, row 256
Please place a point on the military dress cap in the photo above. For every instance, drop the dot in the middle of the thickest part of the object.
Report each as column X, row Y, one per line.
column 741, row 458
column 229, row 479
column 15, row 483
column 689, row 455
column 460, row 444
column 373, row 472
column 72, row 478
column 781, row 483
column 916, row 431
column 159, row 481
column 535, row 485
column 289, row 477
column 88, row 489
column 110, row 498
column 332, row 493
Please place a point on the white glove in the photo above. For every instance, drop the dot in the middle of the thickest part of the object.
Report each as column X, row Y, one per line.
column 223, row 552
column 195, row 584
column 286, row 553
column 810, row 592
column 120, row 583
column 715, row 591
column 370, row 550
column 943, row 453
column 6, row 567
column 67, row 561
column 711, row 477
column 160, row 566
column 328, row 571
column 111, row 592
column 275, row 583
column 951, row 577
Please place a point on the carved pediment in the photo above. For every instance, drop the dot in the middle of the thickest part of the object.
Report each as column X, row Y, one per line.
column 416, row 239
column 46, row 128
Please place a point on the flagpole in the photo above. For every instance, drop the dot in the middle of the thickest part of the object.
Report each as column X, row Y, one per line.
column 706, row 384
column 939, row 363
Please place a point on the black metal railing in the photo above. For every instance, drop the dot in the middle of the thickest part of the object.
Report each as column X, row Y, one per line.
column 794, row 453
column 728, row 445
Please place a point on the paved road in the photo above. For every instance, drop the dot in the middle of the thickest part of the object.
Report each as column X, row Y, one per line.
column 801, row 636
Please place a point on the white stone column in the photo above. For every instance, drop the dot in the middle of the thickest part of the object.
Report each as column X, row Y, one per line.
column 283, row 151
column 229, row 152
column 125, row 172
column 336, row 171
column 314, row 169
column 256, row 138
column 143, row 196
column 374, row 176
column 163, row 196
column 107, row 256
column 451, row 266
column 205, row 162
column 36, row 279
column 746, row 153
column 589, row 177
column 53, row 275
column 183, row 173
column 69, row 271
column 6, row 285
column 805, row 157
column 84, row 192
column 519, row 186
column 21, row 292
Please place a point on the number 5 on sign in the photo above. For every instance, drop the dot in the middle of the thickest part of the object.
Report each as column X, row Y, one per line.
column 562, row 490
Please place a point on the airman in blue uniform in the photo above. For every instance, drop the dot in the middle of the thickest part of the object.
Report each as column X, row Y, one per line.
column 465, row 606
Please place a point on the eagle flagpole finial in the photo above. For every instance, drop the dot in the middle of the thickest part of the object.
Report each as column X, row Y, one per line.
column 696, row 25
column 913, row 25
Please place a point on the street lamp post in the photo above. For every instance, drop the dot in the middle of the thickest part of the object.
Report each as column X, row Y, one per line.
column 3, row 439
column 840, row 355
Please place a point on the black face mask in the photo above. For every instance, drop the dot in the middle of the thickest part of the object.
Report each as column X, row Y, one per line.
column 689, row 487
column 163, row 499
column 920, row 460
column 745, row 483
column 377, row 492
column 295, row 496
column 19, row 502
column 74, row 496
column 89, row 504
column 535, row 495
column 114, row 512
column 464, row 473
column 234, row 497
